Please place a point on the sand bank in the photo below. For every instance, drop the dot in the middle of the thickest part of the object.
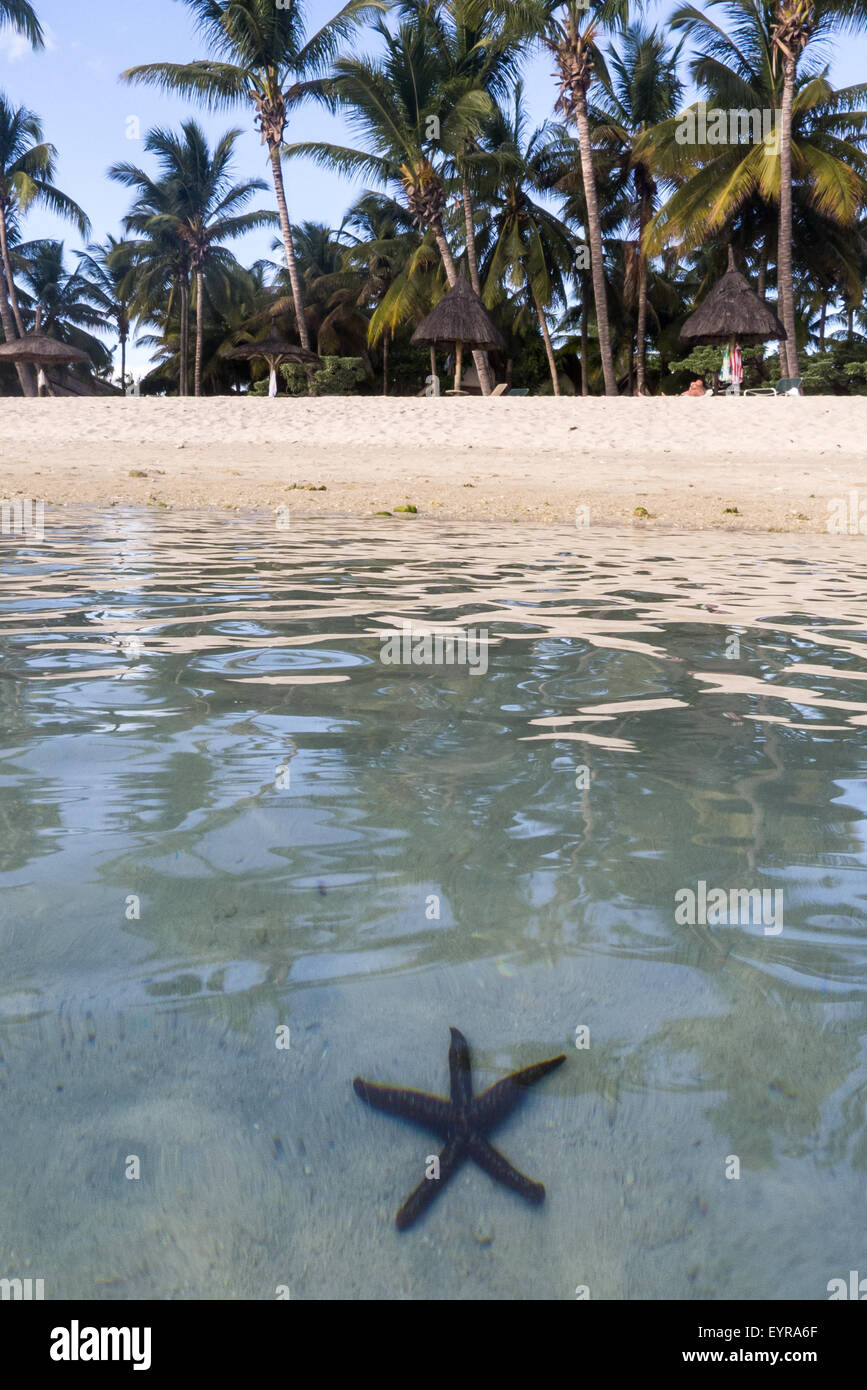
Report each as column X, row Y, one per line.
column 748, row 464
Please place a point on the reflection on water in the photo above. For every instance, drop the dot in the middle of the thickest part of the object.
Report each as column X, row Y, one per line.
column 220, row 811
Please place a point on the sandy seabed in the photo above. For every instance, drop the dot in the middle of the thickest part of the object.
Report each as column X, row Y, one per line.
column 719, row 463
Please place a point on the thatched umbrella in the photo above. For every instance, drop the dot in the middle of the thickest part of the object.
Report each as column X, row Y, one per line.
column 274, row 350
column 38, row 350
column 461, row 320
column 731, row 314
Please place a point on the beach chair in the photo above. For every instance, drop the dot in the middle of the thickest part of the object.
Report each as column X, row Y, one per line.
column 786, row 386
column 504, row 389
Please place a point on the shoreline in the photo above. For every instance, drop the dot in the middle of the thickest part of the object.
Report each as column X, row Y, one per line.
column 784, row 465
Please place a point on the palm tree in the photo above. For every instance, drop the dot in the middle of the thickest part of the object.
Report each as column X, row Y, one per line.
column 236, row 303
column 264, row 59
column 831, row 261
column 408, row 117
column 195, row 204
column 644, row 90
column 22, row 16
column 574, row 41
column 561, row 174
column 64, row 298
column 479, row 44
column 158, row 285
column 27, row 166
column 401, row 271
column 532, row 250
column 333, row 291
column 107, row 270
column 720, row 184
column 796, row 24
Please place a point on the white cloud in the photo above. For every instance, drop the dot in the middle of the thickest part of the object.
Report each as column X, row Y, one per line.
column 14, row 47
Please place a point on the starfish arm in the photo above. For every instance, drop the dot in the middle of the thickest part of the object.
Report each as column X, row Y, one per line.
column 429, row 1189
column 502, row 1171
column 493, row 1105
column 460, row 1072
column 431, row 1112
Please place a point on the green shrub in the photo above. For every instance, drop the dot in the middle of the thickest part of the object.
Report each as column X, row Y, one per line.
column 841, row 370
column 338, row 376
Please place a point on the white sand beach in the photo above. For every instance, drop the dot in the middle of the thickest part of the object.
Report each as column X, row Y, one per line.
column 723, row 463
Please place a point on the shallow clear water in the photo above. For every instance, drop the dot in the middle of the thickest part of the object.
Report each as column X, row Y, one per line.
column 221, row 812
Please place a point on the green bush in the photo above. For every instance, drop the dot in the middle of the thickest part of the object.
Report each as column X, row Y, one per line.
column 706, row 362
column 338, row 376
column 841, row 370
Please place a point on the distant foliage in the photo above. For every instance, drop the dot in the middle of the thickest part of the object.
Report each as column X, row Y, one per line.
column 706, row 362
column 338, row 376
column 840, row 371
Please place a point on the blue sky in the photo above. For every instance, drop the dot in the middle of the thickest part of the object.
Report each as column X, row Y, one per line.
column 74, row 87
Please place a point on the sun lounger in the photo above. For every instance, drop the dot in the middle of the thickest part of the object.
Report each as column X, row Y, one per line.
column 787, row 386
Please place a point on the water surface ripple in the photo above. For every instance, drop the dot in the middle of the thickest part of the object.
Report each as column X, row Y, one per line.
column 221, row 811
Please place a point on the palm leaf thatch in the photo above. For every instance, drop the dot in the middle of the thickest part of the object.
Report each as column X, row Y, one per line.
column 40, row 351
column 460, row 317
column 732, row 310
column 273, row 349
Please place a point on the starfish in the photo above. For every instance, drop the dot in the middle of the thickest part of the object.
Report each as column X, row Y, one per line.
column 464, row 1122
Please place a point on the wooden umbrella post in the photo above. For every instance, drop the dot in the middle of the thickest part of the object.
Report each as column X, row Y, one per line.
column 459, row 351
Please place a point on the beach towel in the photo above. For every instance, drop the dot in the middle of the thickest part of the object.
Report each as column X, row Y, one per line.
column 732, row 370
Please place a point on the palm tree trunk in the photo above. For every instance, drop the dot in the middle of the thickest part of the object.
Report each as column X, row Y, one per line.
column 10, row 283
column 289, row 246
column 822, row 325
column 641, row 332
column 385, row 364
column 446, row 253
column 549, row 350
column 12, row 327
column 641, row 325
column 479, row 358
column 473, row 261
column 10, row 334
column 785, row 287
column 200, row 329
column 763, row 268
column 123, row 362
column 594, row 233
column 185, row 334
column 585, row 338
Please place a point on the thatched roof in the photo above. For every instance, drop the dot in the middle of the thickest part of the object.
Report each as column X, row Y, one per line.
column 460, row 317
column 40, row 351
column 732, row 310
column 274, row 348
column 63, row 384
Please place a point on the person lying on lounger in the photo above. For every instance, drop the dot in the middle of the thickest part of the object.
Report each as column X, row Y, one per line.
column 695, row 388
